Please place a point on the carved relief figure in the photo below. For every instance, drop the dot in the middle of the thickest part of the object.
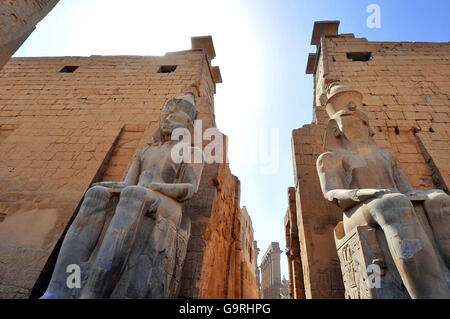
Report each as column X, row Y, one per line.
column 371, row 188
column 130, row 237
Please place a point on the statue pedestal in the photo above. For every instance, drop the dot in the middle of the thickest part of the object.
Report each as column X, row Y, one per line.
column 367, row 245
column 364, row 246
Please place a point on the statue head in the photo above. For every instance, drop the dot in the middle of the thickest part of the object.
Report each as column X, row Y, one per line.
column 347, row 121
column 179, row 112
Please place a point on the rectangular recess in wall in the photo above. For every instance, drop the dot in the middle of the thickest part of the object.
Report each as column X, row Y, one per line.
column 69, row 69
column 359, row 56
column 167, row 68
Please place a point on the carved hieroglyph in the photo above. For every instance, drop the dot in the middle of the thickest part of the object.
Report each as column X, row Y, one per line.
column 364, row 246
column 130, row 237
column 371, row 188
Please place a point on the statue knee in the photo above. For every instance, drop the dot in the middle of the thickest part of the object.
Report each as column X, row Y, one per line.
column 395, row 214
column 99, row 192
column 132, row 195
column 394, row 200
column 152, row 195
column 393, row 209
column 95, row 200
column 438, row 202
column 437, row 207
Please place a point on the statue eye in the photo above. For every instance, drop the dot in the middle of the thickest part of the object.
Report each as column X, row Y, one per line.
column 170, row 107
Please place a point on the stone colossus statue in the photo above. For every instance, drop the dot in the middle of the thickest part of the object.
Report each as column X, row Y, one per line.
column 130, row 237
column 372, row 190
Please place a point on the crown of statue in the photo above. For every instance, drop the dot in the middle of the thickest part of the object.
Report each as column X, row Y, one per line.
column 186, row 103
column 342, row 98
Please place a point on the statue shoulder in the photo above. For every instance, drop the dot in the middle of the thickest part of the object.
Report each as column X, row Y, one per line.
column 329, row 158
column 145, row 150
column 388, row 154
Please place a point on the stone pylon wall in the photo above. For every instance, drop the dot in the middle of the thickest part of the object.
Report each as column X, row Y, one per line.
column 61, row 131
column 18, row 20
column 405, row 91
column 66, row 122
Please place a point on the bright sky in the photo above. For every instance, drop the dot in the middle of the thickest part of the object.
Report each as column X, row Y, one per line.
column 262, row 48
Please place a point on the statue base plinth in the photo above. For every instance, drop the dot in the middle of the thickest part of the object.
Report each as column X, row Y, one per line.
column 364, row 246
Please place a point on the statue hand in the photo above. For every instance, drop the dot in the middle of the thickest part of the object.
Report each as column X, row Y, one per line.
column 111, row 184
column 179, row 192
column 153, row 186
column 367, row 193
column 419, row 192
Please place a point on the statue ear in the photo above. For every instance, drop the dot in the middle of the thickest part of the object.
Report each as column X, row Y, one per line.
column 157, row 137
column 371, row 132
column 333, row 136
column 190, row 127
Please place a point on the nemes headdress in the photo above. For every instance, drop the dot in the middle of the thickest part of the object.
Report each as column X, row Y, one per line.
column 342, row 99
column 186, row 103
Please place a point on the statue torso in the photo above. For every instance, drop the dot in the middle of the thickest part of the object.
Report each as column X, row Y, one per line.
column 157, row 165
column 367, row 167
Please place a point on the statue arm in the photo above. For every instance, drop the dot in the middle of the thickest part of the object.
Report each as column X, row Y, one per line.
column 132, row 177
column 330, row 172
column 401, row 181
column 179, row 192
column 132, row 174
column 404, row 186
column 190, row 180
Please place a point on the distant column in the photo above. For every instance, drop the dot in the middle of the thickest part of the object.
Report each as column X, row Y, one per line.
column 271, row 273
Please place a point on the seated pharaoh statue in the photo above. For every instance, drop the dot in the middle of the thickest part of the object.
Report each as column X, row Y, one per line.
column 367, row 183
column 129, row 238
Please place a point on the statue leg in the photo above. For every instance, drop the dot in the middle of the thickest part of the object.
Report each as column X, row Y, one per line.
column 154, row 264
column 414, row 255
column 80, row 240
column 116, row 246
column 437, row 206
column 167, row 250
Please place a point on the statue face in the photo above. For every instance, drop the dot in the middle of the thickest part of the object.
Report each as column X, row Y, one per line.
column 354, row 128
column 171, row 120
